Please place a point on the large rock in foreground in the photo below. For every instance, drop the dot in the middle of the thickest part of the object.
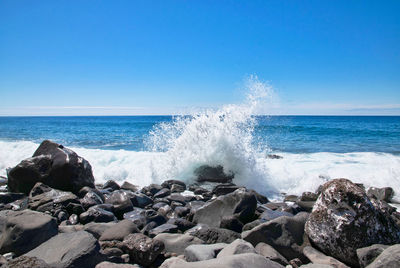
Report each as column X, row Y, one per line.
column 212, row 174
column 77, row 249
column 55, row 166
column 21, row 231
column 344, row 219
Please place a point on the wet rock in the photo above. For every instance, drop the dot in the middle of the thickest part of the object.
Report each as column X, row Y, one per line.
column 177, row 188
column 27, row 262
column 98, row 228
column 260, row 198
column 21, row 231
column 285, row 234
column 6, row 198
column 212, row 235
column 238, row 246
column 383, row 194
column 55, row 166
column 97, row 214
column 389, row 258
column 164, row 228
column 239, row 202
column 181, row 211
column 182, row 224
column 318, row 257
column 224, row 188
column 368, row 254
column 137, row 216
column 308, row 196
column 111, row 184
column 232, row 223
column 177, row 243
column 270, row 253
column 106, row 264
column 141, row 200
column 121, row 201
column 274, row 156
column 91, row 199
column 78, row 249
column 290, row 198
column 162, row 193
column 143, row 249
column 177, row 197
column 152, row 189
column 251, row 225
column 212, row 174
column 119, row 231
column 129, row 186
column 233, row 261
column 334, row 224
column 203, row 252
column 169, row 183
column 268, row 215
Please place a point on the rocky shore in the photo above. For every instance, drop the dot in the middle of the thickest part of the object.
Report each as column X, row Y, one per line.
column 52, row 214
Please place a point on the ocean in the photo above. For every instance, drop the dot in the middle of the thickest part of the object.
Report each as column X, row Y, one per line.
column 147, row 149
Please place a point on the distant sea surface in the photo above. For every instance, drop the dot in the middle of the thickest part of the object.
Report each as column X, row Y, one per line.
column 144, row 149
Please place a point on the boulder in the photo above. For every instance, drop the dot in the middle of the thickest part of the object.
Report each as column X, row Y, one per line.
column 224, row 188
column 54, row 165
column 162, row 193
column 98, row 228
column 169, row 183
column 212, row 235
column 270, row 253
column 389, row 258
column 112, row 185
column 285, row 234
column 239, row 202
column 78, row 249
column 142, row 249
column 318, row 257
column 121, row 201
column 177, row 243
column 344, row 219
column 269, row 214
column 21, row 231
column 212, row 174
column 129, row 186
column 26, row 262
column 232, row 223
column 119, row 231
column 97, row 214
column 91, row 199
column 106, row 264
column 238, row 246
column 203, row 252
column 141, row 200
column 182, row 224
column 234, row 261
column 164, row 228
column 368, row 254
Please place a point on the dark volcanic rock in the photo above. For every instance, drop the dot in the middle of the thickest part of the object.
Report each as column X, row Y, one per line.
column 232, row 223
column 182, row 224
column 384, row 194
column 162, row 193
column 129, row 186
column 164, row 228
column 368, row 254
column 269, row 214
column 212, row 174
column 6, row 198
column 141, row 200
column 344, row 219
column 54, row 165
column 77, row 249
column 91, row 199
column 203, row 252
column 285, row 234
column 317, row 257
column 389, row 258
column 212, row 235
column 176, row 243
column 119, row 231
column 121, row 201
column 143, row 249
column 21, row 231
column 239, row 202
column 270, row 253
column 238, row 246
column 27, row 262
column 224, row 188
column 169, row 183
column 111, row 184
column 97, row 214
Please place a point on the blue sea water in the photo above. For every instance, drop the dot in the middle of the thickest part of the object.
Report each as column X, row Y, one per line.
column 292, row 134
column 146, row 149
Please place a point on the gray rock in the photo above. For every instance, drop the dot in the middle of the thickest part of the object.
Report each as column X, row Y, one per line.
column 224, row 188
column 203, row 252
column 141, row 200
column 142, row 249
column 368, row 254
column 21, row 231
column 54, row 165
column 270, row 253
column 238, row 246
column 97, row 214
column 239, row 202
column 318, row 257
column 129, row 186
column 182, row 224
column 177, row 243
column 98, row 228
column 26, row 262
column 70, row 228
column 234, row 261
column 334, row 224
column 106, row 264
column 119, row 231
column 269, row 214
column 162, row 193
column 212, row 174
column 389, row 258
column 212, row 235
column 121, row 201
column 79, row 249
column 308, row 196
column 285, row 234
column 383, row 194
column 164, row 228
column 177, row 188
column 112, row 185
column 91, row 199
column 314, row 265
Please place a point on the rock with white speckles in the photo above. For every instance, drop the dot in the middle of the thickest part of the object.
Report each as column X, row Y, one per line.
column 344, row 219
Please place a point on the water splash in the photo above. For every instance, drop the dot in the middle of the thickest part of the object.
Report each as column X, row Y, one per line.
column 214, row 137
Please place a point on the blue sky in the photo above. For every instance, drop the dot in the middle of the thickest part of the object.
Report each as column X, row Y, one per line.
column 162, row 57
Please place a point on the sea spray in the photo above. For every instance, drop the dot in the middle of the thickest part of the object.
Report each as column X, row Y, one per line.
column 214, row 137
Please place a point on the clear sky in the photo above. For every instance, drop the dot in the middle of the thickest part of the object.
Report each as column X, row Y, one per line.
column 161, row 57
